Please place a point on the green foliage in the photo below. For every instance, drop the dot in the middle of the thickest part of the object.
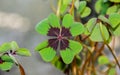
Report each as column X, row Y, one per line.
column 6, row 66
column 116, row 32
column 82, row 9
column 77, row 29
column 96, row 34
column 67, row 56
column 103, row 19
column 101, row 6
column 67, row 20
column 98, row 6
column 42, row 27
column 86, row 12
column 112, row 9
column 53, row 20
column 114, row 19
column 116, row 1
column 6, row 58
column 66, row 1
column 91, row 24
column 41, row 45
column 5, row 47
column 23, row 52
column 14, row 45
column 103, row 60
column 7, row 52
column 97, row 30
column 58, row 63
column 112, row 71
column 47, row 54
column 76, row 47
column 82, row 6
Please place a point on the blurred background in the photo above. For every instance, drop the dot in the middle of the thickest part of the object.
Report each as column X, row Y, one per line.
column 17, row 22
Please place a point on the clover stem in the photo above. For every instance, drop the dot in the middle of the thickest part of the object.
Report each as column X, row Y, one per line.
column 74, row 67
column 58, row 9
column 111, row 50
column 22, row 72
column 72, row 8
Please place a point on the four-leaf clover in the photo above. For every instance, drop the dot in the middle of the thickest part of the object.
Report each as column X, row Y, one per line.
column 60, row 34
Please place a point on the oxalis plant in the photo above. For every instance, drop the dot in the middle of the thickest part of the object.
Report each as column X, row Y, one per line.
column 77, row 41
column 8, row 51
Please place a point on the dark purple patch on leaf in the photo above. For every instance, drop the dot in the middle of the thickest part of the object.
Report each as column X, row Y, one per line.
column 1, row 61
column 64, row 43
column 65, row 32
column 53, row 31
column 53, row 43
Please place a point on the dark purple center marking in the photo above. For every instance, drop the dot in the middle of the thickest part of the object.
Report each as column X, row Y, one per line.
column 60, row 37
column 1, row 61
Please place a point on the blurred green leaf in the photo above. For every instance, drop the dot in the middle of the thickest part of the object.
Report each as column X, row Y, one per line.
column 112, row 9
column 76, row 29
column 103, row 60
column 98, row 6
column 91, row 24
column 42, row 45
column 47, row 54
column 75, row 46
column 63, row 8
column 43, row 27
column 77, row 4
column 116, row 32
column 96, row 33
column 6, row 66
column 103, row 18
column 101, row 6
column 66, row 1
column 67, row 56
column 53, row 20
column 58, row 64
column 116, row 1
column 85, row 12
column 6, row 58
column 112, row 71
column 5, row 47
column 114, row 19
column 67, row 20
column 23, row 52
column 82, row 6
column 14, row 45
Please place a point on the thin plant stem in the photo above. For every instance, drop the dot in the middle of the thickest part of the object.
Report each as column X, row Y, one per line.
column 99, row 51
column 22, row 72
column 89, row 56
column 114, row 55
column 52, row 7
column 58, row 9
column 72, row 8
column 74, row 67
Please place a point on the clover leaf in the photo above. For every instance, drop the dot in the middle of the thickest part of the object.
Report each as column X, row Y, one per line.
column 114, row 19
column 59, row 38
column 82, row 9
column 5, row 47
column 6, row 66
column 103, row 60
column 96, row 34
